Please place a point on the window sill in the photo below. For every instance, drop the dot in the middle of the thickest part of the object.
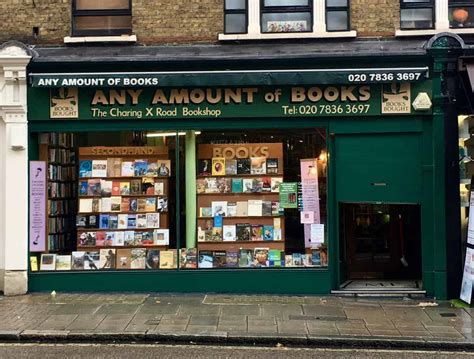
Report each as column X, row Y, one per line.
column 96, row 39
column 303, row 35
column 401, row 33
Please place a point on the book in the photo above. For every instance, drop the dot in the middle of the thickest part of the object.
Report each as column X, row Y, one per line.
column 93, row 187
column 77, row 260
column 153, row 220
column 266, row 208
column 147, row 238
column 200, row 234
column 257, row 232
column 123, row 258
column 231, row 209
column 219, row 208
column 288, row 260
column 140, row 167
column 255, row 207
column 115, row 203
column 107, row 258
column 141, row 204
column 113, row 221
column 247, row 184
column 92, row 221
column 110, row 238
column 268, row 233
column 161, row 237
column 243, row 166
column 128, row 238
column 204, row 167
column 91, row 260
column 150, row 205
column 216, row 234
column 83, row 188
column 242, row 208
column 297, row 261
column 99, row 168
column 136, row 186
column 230, row 167
column 258, row 165
column 164, row 168
column 141, row 220
column 114, row 167
column 260, row 257
column 131, row 221
column 125, row 204
column 211, row 185
column 306, row 260
column 133, row 204
column 272, row 165
column 137, row 238
column 256, row 185
column 106, row 204
column 85, row 168
column 105, row 188
column 159, row 188
column 219, row 259
column 243, row 231
column 245, row 257
column 96, row 204
column 162, row 204
column 137, row 258
column 206, row 259
column 189, row 258
column 81, row 221
column 85, row 205
column 236, row 185
column 200, row 185
column 152, row 169
column 205, row 212
column 128, row 169
column 100, row 238
column 276, row 210
column 168, row 259
column 115, row 188
column 275, row 258
column 122, row 221
column 277, row 234
column 33, row 263
column 315, row 257
column 148, row 185
column 63, row 262
column 218, row 221
column 218, row 166
column 152, row 259
column 275, row 184
column 266, row 184
column 229, row 232
column 224, row 185
column 124, row 188
column 232, row 258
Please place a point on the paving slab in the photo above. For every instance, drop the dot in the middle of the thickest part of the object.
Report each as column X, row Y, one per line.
column 242, row 310
column 281, row 310
column 57, row 322
column 77, row 308
column 201, row 329
column 232, row 327
column 161, row 308
column 114, row 323
column 204, row 320
column 292, row 327
column 203, row 309
column 324, row 311
column 118, row 309
column 143, row 323
column 86, row 322
column 175, row 299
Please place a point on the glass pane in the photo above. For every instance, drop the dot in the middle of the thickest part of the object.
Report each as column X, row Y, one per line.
column 286, row 22
column 259, row 193
column 235, row 24
column 84, row 23
column 286, row 3
column 102, row 4
column 416, row 18
column 336, row 2
column 235, row 4
column 460, row 17
column 336, row 20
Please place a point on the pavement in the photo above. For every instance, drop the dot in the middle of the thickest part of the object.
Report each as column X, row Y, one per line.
column 237, row 320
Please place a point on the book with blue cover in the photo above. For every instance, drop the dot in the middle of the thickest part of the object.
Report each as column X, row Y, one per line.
column 104, row 221
column 85, row 168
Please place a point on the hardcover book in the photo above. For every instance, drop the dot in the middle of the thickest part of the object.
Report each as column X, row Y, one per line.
column 243, row 166
column 219, row 259
column 81, row 221
column 277, row 234
column 150, row 205
column 122, row 221
column 115, row 203
column 92, row 221
column 91, row 260
column 247, row 184
column 219, row 208
column 153, row 220
column 275, row 258
column 131, row 221
column 255, row 207
column 224, row 185
column 148, row 184
column 83, row 188
column 218, row 166
column 161, row 237
column 167, row 259
column 85, row 168
column 128, row 238
column 105, row 188
column 236, row 185
column 276, row 210
column 258, row 165
column 216, row 234
column 113, row 221
column 114, row 167
column 257, row 185
column 106, row 204
column 229, row 232
column 200, row 234
column 141, row 204
column 206, row 259
column 204, row 167
column 107, row 258
column 200, row 185
column 123, row 258
column 100, row 238
column 266, row 208
column 266, row 184
column 85, row 205
column 137, row 258
column 232, row 258
column 137, row 238
column 218, row 221
column 96, row 204
column 127, row 169
column 205, row 212
column 124, row 188
column 257, row 232
column 77, row 260
column 260, row 257
column 315, row 257
column 231, row 209
column 147, row 238
column 136, row 186
column 243, row 231
column 288, row 260
column 275, row 185
column 230, row 167
column 189, row 258
column 133, row 204
column 152, row 169
column 140, row 168
column 164, row 168
column 119, row 238
column 306, row 260
column 93, row 187
column 110, row 238
column 159, row 188
column 297, row 260
column 268, row 233
column 115, row 188
column 125, row 204
column 162, row 204
column 272, row 165
column 245, row 258
column 63, row 262
column 153, row 259
column 141, row 221
column 211, row 185
column 242, row 209
column 99, row 168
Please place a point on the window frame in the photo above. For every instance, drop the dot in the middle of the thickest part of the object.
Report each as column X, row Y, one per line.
column 458, row 4
column 431, row 4
column 97, row 12
column 346, row 9
column 285, row 10
column 237, row 11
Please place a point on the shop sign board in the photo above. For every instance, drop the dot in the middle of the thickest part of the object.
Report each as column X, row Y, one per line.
column 37, row 206
column 224, row 102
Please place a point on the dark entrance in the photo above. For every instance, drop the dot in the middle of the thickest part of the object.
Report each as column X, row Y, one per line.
column 381, row 241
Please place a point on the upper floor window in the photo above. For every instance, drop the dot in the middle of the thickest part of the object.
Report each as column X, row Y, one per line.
column 101, row 17
column 461, row 13
column 266, row 19
column 416, row 14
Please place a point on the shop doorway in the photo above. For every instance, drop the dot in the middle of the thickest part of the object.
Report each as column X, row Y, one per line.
column 382, row 244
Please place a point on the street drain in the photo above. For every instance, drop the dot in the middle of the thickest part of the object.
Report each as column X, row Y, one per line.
column 447, row 315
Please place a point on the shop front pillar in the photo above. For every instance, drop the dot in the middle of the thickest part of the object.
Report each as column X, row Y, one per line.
column 190, row 149
column 14, row 58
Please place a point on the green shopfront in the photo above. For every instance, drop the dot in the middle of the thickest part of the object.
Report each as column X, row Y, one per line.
column 217, row 179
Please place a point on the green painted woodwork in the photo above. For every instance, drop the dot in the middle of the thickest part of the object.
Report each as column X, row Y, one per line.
column 190, row 168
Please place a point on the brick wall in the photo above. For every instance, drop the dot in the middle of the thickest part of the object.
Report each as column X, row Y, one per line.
column 375, row 17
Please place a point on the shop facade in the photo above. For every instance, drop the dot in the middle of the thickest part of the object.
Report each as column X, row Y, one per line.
column 277, row 179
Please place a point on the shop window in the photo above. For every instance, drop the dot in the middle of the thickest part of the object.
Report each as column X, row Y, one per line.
column 261, row 19
column 461, row 14
column 101, row 17
column 416, row 14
